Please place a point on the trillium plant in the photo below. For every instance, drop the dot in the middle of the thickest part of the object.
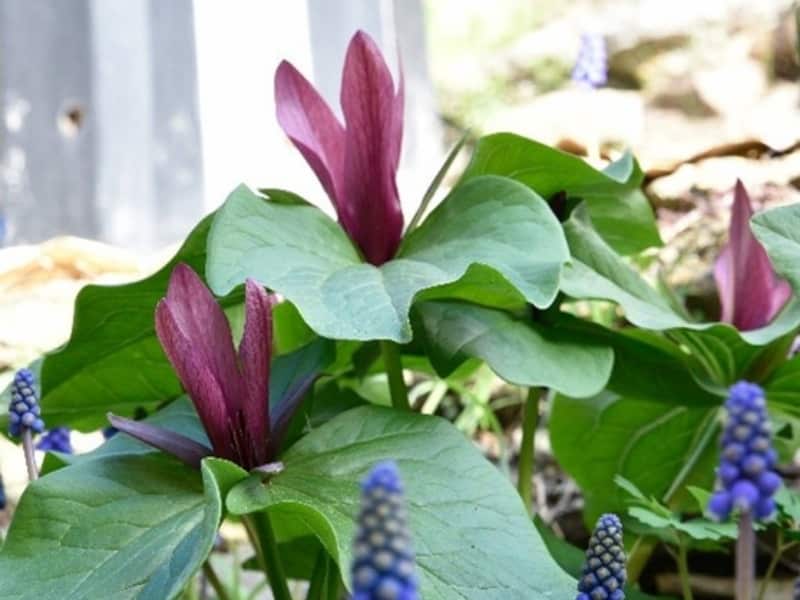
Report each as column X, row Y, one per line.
column 259, row 383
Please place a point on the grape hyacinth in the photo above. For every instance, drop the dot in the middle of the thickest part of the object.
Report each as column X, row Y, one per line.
column 2, row 494
column 23, row 410
column 591, row 69
column 383, row 561
column 603, row 576
column 796, row 594
column 56, row 440
column 746, row 470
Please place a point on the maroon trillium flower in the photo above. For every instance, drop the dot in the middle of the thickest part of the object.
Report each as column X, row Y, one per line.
column 230, row 390
column 750, row 292
column 356, row 163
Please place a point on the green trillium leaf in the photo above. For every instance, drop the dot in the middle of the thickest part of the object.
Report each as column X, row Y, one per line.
column 618, row 208
column 471, row 533
column 660, row 448
column 123, row 527
column 295, row 249
column 518, row 350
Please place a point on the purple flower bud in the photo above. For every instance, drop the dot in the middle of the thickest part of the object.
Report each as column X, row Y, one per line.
column 56, row 440
column 603, row 576
column 2, row 494
column 23, row 409
column 383, row 561
column 768, row 483
column 720, row 504
column 727, row 472
column 746, row 473
column 744, row 495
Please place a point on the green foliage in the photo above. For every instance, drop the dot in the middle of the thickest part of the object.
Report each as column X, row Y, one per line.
column 470, row 529
column 295, row 249
column 117, row 526
column 518, row 350
column 618, row 208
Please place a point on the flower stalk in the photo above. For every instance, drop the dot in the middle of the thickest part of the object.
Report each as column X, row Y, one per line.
column 394, row 372
column 746, row 558
column 262, row 536
column 527, row 458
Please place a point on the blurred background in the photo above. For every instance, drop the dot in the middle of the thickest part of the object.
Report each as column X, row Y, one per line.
column 125, row 121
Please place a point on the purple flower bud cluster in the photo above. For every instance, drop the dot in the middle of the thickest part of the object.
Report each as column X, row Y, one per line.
column 56, row 440
column 603, row 575
column 591, row 68
column 23, row 410
column 746, row 469
column 383, row 560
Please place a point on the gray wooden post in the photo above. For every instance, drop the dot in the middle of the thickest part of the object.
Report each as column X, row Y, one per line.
column 100, row 135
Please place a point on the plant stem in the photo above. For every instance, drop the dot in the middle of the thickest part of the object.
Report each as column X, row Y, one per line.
column 530, row 421
column 745, row 558
column 259, row 528
column 683, row 571
column 394, row 371
column 213, row 579
column 30, row 457
column 776, row 558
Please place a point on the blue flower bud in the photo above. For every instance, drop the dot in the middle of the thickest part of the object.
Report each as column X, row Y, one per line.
column 591, row 67
column 383, row 560
column 746, row 476
column 56, row 440
column 603, row 576
column 2, row 494
column 23, row 409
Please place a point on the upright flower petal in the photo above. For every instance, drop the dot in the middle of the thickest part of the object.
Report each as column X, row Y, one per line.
column 357, row 163
column 255, row 352
column 750, row 292
column 313, row 128
column 373, row 136
column 197, row 339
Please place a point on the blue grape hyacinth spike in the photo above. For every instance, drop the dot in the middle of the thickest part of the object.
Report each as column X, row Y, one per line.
column 56, row 440
column 2, row 494
column 603, row 575
column 383, row 560
column 746, row 472
column 591, row 67
column 23, row 409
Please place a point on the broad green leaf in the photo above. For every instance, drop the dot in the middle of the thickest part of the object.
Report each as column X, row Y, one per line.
column 699, row 530
column 597, row 272
column 619, row 209
column 659, row 447
column 119, row 527
column 298, row 251
column 519, row 351
column 778, row 230
column 646, row 364
column 471, row 533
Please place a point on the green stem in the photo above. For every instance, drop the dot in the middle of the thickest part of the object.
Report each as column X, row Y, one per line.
column 262, row 536
column 683, row 571
column 530, row 421
column 776, row 558
column 394, row 371
column 213, row 579
column 318, row 586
